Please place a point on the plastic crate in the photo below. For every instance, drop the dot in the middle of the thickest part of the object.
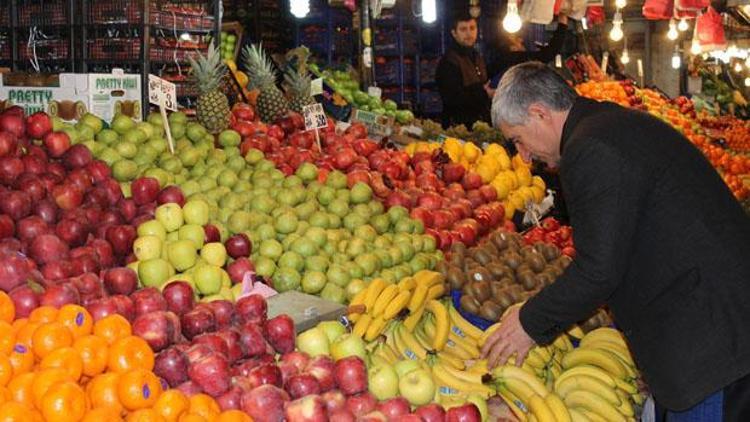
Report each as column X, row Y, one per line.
column 386, row 41
column 167, row 55
column 388, row 72
column 51, row 49
column 5, row 13
column 114, row 48
column 47, row 12
column 115, row 11
column 431, row 101
column 409, row 71
column 409, row 42
column 427, row 70
column 178, row 21
column 392, row 94
column 5, row 49
column 342, row 40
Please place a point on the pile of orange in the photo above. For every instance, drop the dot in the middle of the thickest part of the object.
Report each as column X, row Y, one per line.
column 60, row 365
column 604, row 91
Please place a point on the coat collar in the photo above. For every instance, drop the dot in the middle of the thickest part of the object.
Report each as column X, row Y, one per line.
column 582, row 107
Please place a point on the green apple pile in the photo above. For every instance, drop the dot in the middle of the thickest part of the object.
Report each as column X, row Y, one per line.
column 228, row 44
column 172, row 246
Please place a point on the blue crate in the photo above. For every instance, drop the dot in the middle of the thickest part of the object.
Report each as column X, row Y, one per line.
column 386, row 42
column 427, row 70
column 431, row 102
column 409, row 71
column 388, row 73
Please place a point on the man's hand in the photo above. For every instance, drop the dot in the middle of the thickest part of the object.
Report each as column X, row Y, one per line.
column 562, row 18
column 507, row 340
column 490, row 92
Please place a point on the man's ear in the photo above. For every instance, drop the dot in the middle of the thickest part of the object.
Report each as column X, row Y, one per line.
column 454, row 33
column 539, row 110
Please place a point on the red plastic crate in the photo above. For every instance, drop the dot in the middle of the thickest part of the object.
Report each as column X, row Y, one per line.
column 4, row 49
column 114, row 48
column 115, row 11
column 166, row 19
column 162, row 54
column 53, row 49
column 5, row 13
column 48, row 12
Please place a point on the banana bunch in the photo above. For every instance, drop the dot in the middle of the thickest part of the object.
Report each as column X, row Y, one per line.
column 599, row 378
column 379, row 303
column 528, row 397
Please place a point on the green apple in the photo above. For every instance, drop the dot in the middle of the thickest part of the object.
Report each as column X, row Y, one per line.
column 196, row 212
column 361, row 193
column 134, row 266
column 147, row 247
column 192, row 232
column 153, row 272
column 348, row 345
column 170, row 216
column 333, row 329
column 207, row 279
column 403, row 367
column 214, row 253
column 382, row 382
column 354, row 287
column 417, row 387
column 286, row 279
column 313, row 282
column 182, row 254
column 314, row 342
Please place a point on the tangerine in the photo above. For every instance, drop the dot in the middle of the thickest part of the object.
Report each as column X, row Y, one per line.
column 138, row 389
column 93, row 352
column 66, row 358
column 130, row 353
column 65, row 401
column 15, row 412
column 77, row 319
column 7, row 338
column 112, row 328
column 20, row 389
column 102, row 391
column 233, row 416
column 144, row 415
column 204, row 405
column 44, row 380
column 172, row 404
column 7, row 308
column 43, row 314
column 100, row 414
column 49, row 337
column 21, row 359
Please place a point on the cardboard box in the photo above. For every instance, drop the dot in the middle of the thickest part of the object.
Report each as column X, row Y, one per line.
column 114, row 93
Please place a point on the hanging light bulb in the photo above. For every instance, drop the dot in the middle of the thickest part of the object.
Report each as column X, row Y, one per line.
column 695, row 46
column 512, row 21
column 747, row 62
column 672, row 34
column 299, row 8
column 747, row 81
column 676, row 61
column 625, row 57
column 620, row 4
column 616, row 33
column 683, row 25
column 429, row 11
column 738, row 67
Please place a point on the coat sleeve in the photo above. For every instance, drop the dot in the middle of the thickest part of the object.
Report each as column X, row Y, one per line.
column 451, row 87
column 604, row 195
column 549, row 51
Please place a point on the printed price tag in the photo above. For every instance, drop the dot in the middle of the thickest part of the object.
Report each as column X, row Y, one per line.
column 605, row 61
column 375, row 91
column 377, row 125
column 558, row 61
column 315, row 117
column 161, row 92
column 316, row 87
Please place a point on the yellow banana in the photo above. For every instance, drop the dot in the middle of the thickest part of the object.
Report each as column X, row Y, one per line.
column 591, row 371
column 397, row 304
column 595, row 404
column 605, row 333
column 418, row 297
column 587, row 383
column 385, row 297
column 593, row 417
column 373, row 291
column 480, row 366
column 422, row 338
column 487, row 333
column 469, row 377
column 537, row 372
column 558, row 408
column 428, row 278
column 407, row 284
column 461, row 327
column 444, row 378
column 358, row 299
column 435, row 291
column 625, row 407
column 626, row 386
column 413, row 319
column 442, row 324
column 577, row 416
column 360, row 327
column 622, row 352
column 638, row 399
column 535, row 359
column 456, row 351
column 516, row 405
column 455, row 362
column 508, row 374
column 377, row 359
column 562, row 342
column 465, row 344
column 412, row 346
column 576, row 332
column 374, row 329
column 596, row 357
column 538, row 407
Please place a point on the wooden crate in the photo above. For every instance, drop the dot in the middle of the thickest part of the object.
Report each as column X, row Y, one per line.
column 236, row 29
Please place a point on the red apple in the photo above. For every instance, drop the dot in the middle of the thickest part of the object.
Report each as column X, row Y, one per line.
column 301, row 385
column 252, row 340
column 144, row 190
column 13, row 122
column 350, row 374
column 280, row 333
column 121, row 238
column 8, row 143
column 197, row 321
column 171, row 194
column 74, row 232
column 189, row 388
column 214, row 341
column 233, row 344
column 465, row 413
column 394, row 407
column 171, row 364
column 179, row 297
column 471, row 180
column 48, row 248
column 300, row 360
column 120, row 281
column 341, row 415
column 223, row 313
column 60, row 294
column 411, row 417
column 212, row 233
column 453, row 172
column 25, row 298
column 231, row 399
column 31, row 227
column 57, row 143
column 10, row 169
column 148, row 300
column 157, row 328
column 334, row 400
column 374, row 416
column 211, row 373
column 238, row 268
column 16, row 204
column 265, row 373
column 265, row 403
column 252, row 309
column 432, row 412
column 322, row 368
column 125, row 306
column 38, row 125
column 361, row 404
column 307, row 409
column 239, row 245
column 101, row 308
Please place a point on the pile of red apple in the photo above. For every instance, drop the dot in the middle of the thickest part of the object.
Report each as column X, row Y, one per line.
column 552, row 232
column 453, row 204
column 245, row 361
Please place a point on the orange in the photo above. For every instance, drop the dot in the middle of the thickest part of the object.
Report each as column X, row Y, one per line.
column 7, row 338
column 93, row 352
column 130, row 353
column 77, row 319
column 17, row 324
column 25, row 332
column 49, row 337
column 43, row 314
column 138, row 389
column 21, row 359
column 66, row 358
column 6, row 370
column 44, row 380
column 102, row 391
column 20, row 389
column 233, row 416
column 171, row 404
column 192, row 417
column 101, row 414
column 65, row 401
column 204, row 405
column 4, row 394
column 7, row 308
column 145, row 415
column 15, row 412
column 112, row 328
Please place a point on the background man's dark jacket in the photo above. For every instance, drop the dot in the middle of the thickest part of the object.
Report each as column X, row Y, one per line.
column 661, row 240
column 460, row 76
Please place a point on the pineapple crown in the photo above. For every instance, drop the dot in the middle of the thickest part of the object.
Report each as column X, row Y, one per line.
column 298, row 82
column 208, row 70
column 259, row 67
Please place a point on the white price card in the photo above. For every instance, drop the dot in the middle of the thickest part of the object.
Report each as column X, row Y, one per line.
column 161, row 92
column 558, row 61
column 605, row 62
column 316, row 87
column 375, row 91
column 315, row 117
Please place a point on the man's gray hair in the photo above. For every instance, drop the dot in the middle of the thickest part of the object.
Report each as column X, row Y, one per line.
column 526, row 84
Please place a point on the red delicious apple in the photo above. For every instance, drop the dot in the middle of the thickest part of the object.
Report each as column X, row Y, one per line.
column 128, row 209
column 148, row 300
column 361, row 404
column 211, row 373
column 238, row 268
column 101, row 308
column 214, row 341
column 197, row 321
column 411, row 417
column 334, row 400
column 252, row 340
column 88, row 284
column 350, row 374
column 171, row 194
column 212, row 233
column 171, row 364
column 322, row 368
column 10, row 169
column 16, row 204
column 13, row 122
column 57, row 143
column 231, row 399
column 121, row 238
column 179, row 297
column 398, row 198
column 266, row 373
column 301, row 385
column 223, row 313
column 103, row 252
column 144, row 190
column 252, row 309
column 465, row 413
column 32, row 185
column 25, row 298
column 239, row 245
column 279, row 332
column 120, row 280
column 99, row 170
column 453, row 172
column 231, row 339
column 243, row 367
column 31, row 227
column 341, row 415
column 60, row 294
column 77, row 157
column 265, row 403
column 300, row 360
column 8, row 143
column 394, row 407
column 471, row 180
column 38, row 125
column 72, row 231
column 157, row 329
column 189, row 388
column 7, row 226
column 306, row 409
column 432, row 412
column 374, row 416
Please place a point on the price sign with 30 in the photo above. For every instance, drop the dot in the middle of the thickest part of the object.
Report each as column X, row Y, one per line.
column 161, row 92
column 315, row 116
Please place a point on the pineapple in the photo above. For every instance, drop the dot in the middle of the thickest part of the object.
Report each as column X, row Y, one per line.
column 271, row 103
column 212, row 106
column 299, row 89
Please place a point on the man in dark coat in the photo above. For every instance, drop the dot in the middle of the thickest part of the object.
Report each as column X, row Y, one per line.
column 461, row 77
column 659, row 238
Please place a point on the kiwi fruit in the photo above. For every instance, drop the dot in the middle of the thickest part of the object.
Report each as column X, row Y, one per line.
column 491, row 248
column 442, row 267
column 524, row 267
column 500, row 239
column 564, row 260
column 456, row 261
column 516, row 293
column 528, row 280
column 513, row 260
column 550, row 252
column 458, row 248
column 481, row 290
column 490, row 311
column 536, row 263
column 498, row 270
column 504, row 299
column 482, row 257
column 544, row 279
column 469, row 304
column 507, row 281
column 456, row 278
column 527, row 252
column 480, row 274
column 496, row 288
